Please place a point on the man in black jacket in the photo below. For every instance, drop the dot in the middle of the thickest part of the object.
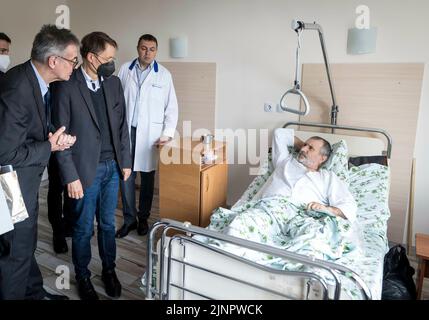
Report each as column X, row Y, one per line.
column 27, row 139
column 92, row 106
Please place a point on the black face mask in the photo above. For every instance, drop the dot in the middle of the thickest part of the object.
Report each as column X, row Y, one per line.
column 105, row 70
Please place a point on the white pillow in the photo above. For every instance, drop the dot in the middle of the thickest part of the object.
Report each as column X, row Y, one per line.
column 338, row 161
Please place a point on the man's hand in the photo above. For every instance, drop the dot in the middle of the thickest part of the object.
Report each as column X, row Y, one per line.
column 61, row 141
column 126, row 173
column 317, row 206
column 75, row 190
column 162, row 141
column 321, row 207
column 66, row 139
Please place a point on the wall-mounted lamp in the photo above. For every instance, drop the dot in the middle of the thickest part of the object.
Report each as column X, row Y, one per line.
column 361, row 41
column 179, row 47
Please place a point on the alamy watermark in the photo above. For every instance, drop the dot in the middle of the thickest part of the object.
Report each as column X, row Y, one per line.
column 63, row 18
column 243, row 146
column 63, row 280
column 363, row 20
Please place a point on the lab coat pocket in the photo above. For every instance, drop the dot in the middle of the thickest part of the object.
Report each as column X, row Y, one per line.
column 157, row 85
column 157, row 92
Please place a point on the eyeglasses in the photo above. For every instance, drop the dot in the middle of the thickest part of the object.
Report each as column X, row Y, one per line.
column 105, row 59
column 74, row 62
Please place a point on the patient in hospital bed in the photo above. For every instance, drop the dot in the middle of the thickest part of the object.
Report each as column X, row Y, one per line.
column 302, row 204
column 302, row 179
column 301, row 207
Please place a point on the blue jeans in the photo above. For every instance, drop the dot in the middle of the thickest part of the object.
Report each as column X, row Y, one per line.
column 100, row 200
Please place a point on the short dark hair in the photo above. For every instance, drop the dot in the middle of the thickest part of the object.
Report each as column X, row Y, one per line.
column 326, row 148
column 51, row 41
column 96, row 42
column 3, row 36
column 147, row 37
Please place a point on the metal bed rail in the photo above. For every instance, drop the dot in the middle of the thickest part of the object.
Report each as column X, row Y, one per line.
column 163, row 290
column 349, row 128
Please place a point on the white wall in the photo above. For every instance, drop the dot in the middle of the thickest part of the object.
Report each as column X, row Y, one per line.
column 21, row 20
column 253, row 45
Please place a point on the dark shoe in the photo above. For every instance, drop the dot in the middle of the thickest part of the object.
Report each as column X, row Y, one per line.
column 50, row 296
column 125, row 230
column 111, row 283
column 60, row 244
column 143, row 227
column 86, row 290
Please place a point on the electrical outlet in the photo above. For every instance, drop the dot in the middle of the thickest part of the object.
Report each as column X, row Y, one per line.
column 268, row 107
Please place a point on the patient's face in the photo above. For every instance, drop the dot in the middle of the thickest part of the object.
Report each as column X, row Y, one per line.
column 310, row 156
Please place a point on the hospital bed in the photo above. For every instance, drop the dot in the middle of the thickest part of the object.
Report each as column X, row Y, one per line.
column 180, row 266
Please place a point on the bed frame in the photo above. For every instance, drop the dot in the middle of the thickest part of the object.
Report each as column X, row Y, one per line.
column 173, row 267
column 180, row 267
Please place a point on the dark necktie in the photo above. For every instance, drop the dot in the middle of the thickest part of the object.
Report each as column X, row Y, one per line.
column 47, row 101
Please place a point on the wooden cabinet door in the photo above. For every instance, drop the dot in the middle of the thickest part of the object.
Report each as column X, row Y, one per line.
column 179, row 192
column 213, row 191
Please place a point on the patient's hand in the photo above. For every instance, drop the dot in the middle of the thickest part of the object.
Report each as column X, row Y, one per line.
column 321, row 207
column 317, row 206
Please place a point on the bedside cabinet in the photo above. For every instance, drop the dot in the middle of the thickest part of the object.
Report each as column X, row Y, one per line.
column 188, row 189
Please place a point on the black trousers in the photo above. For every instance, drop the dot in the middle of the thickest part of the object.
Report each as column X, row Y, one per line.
column 128, row 191
column 59, row 205
column 20, row 276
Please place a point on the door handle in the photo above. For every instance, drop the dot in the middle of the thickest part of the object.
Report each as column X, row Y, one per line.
column 207, row 183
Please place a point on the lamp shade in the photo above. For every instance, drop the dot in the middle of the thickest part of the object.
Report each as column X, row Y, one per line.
column 361, row 41
column 179, row 47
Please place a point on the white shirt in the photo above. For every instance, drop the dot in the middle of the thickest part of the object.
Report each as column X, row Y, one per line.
column 141, row 77
column 93, row 85
column 44, row 87
column 291, row 178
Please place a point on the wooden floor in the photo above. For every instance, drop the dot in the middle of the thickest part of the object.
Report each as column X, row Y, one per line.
column 131, row 258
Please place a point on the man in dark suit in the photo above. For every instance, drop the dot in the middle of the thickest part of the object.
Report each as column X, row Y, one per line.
column 92, row 107
column 58, row 209
column 5, row 43
column 26, row 143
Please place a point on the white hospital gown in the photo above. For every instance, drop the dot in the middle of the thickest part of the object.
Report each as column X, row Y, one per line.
column 291, row 178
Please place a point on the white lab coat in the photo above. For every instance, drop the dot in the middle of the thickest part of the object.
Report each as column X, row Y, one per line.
column 158, row 111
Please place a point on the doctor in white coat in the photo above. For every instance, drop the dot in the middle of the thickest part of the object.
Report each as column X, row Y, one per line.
column 152, row 113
